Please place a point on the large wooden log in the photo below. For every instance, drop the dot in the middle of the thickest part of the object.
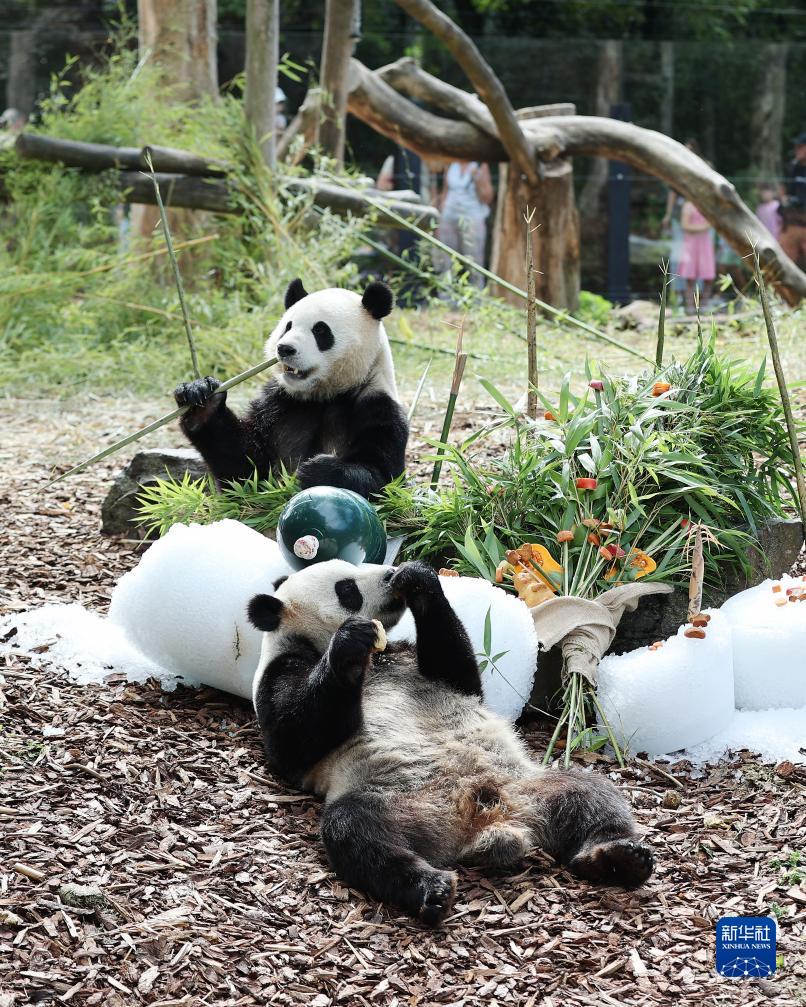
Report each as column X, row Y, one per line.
column 101, row 157
column 216, row 195
column 442, row 139
column 695, row 180
column 433, row 137
column 186, row 191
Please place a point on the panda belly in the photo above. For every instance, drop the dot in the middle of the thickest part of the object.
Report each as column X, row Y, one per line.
column 418, row 735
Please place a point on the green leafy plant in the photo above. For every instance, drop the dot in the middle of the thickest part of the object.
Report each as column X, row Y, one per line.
column 255, row 502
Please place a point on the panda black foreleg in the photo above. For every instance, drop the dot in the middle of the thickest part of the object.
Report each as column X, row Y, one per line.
column 305, row 716
column 330, row 470
column 444, row 651
column 367, row 849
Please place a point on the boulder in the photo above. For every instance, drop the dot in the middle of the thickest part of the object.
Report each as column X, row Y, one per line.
column 119, row 509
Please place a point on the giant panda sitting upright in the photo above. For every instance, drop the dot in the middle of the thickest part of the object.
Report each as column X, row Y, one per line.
column 417, row 775
column 330, row 412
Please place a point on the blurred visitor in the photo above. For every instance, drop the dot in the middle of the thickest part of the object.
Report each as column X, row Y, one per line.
column 12, row 123
column 671, row 222
column 280, row 117
column 793, row 204
column 768, row 209
column 464, row 204
column 697, row 261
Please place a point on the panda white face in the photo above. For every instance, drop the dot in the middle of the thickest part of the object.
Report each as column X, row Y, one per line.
column 315, row 601
column 329, row 341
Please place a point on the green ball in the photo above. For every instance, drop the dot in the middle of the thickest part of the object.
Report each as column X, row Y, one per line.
column 325, row 522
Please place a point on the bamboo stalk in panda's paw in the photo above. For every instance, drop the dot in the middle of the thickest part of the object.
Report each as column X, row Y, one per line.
column 179, row 411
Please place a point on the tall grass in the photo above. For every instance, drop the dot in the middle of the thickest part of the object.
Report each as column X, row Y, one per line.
column 63, row 327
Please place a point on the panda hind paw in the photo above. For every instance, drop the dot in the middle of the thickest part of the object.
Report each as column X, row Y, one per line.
column 438, row 891
column 320, row 470
column 626, row 862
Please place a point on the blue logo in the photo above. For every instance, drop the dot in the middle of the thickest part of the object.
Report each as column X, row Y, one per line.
column 745, row 946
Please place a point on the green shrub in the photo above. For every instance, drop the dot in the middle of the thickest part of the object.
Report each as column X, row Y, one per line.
column 82, row 304
column 712, row 450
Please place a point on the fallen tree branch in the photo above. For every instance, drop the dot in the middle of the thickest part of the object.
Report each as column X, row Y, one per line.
column 481, row 76
column 406, row 77
column 102, row 157
column 433, row 137
column 193, row 189
column 665, row 158
column 552, row 137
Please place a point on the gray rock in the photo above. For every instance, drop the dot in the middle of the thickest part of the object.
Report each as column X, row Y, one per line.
column 119, row 508
column 83, row 896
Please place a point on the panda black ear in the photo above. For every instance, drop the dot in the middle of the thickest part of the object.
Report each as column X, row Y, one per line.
column 265, row 612
column 294, row 292
column 378, row 299
column 279, row 581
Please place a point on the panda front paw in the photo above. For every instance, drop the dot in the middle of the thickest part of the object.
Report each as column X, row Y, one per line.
column 201, row 392
column 417, row 584
column 351, row 647
column 321, row 470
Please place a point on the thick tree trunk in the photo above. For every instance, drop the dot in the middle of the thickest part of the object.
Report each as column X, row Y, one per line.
column 262, row 57
column 555, row 238
column 180, row 37
column 766, row 137
column 608, row 92
column 342, row 21
column 21, row 79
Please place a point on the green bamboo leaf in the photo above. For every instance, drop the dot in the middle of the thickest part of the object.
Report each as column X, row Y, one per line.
column 499, row 397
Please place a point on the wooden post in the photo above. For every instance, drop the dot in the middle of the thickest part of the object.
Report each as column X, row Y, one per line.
column 555, row 227
column 262, row 57
column 342, row 28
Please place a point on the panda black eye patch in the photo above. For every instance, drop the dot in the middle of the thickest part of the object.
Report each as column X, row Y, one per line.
column 348, row 594
column 323, row 336
column 288, row 326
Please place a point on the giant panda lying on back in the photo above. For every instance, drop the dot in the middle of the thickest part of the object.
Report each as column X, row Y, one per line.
column 330, row 412
column 417, row 775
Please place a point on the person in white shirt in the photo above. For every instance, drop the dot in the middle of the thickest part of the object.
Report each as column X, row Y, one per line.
column 464, row 204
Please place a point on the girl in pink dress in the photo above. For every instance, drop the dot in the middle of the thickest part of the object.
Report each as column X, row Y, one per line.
column 697, row 261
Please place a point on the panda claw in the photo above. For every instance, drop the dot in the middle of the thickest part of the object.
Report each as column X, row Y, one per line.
column 351, row 647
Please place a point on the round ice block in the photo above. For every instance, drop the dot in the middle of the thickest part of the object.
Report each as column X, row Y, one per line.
column 659, row 701
column 769, row 643
column 184, row 604
column 508, row 685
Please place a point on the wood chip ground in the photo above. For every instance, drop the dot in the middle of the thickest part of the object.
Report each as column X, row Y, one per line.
column 207, row 882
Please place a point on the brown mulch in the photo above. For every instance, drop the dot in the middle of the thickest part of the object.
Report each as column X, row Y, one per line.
column 210, row 883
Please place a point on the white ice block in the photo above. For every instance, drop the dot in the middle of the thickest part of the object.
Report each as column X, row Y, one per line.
column 507, row 689
column 679, row 695
column 769, row 646
column 772, row 734
column 184, row 605
column 83, row 643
